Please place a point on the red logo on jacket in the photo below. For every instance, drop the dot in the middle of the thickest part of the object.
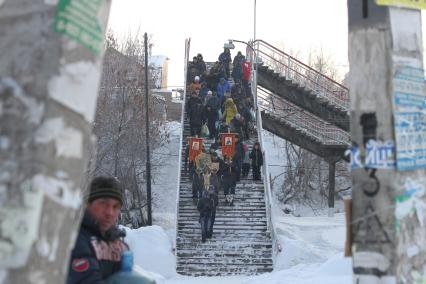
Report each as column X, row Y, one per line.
column 80, row 264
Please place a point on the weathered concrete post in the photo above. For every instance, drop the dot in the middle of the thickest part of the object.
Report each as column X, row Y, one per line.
column 331, row 186
column 50, row 59
column 388, row 115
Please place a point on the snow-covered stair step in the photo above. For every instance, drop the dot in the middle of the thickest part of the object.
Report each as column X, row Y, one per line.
column 197, row 269
column 240, row 244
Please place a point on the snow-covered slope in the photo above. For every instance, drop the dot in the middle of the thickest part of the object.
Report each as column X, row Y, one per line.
column 312, row 247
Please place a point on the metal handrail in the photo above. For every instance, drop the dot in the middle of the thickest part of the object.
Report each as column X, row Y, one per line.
column 297, row 71
column 182, row 122
column 313, row 126
column 266, row 182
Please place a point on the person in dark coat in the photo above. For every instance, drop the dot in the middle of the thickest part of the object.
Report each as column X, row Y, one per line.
column 238, row 157
column 197, row 184
column 206, row 206
column 192, row 69
column 97, row 253
column 201, row 65
column 214, row 194
column 237, row 93
column 225, row 59
column 203, row 91
column 212, row 116
column 256, row 157
column 216, row 72
column 237, row 125
column 214, row 102
column 246, row 162
column 237, row 70
column 195, row 111
column 228, row 180
column 248, row 119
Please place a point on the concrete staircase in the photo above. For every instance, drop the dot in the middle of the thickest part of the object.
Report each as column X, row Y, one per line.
column 240, row 244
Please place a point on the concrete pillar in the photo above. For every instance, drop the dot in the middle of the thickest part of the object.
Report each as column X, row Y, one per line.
column 331, row 186
column 50, row 66
column 388, row 214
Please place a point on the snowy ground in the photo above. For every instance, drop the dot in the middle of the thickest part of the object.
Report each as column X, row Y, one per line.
column 164, row 186
column 312, row 247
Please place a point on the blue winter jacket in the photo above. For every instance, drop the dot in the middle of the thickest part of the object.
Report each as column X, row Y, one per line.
column 221, row 89
column 95, row 257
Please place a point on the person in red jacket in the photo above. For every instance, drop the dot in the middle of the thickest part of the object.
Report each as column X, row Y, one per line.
column 246, row 76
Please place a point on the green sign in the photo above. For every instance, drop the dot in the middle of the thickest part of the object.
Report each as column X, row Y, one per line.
column 412, row 4
column 78, row 19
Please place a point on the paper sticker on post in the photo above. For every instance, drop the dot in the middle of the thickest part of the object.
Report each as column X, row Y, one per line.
column 378, row 155
column 78, row 19
column 409, row 105
column 19, row 228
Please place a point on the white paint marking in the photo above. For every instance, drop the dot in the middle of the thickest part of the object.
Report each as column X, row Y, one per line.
column 51, row 2
column 372, row 279
column 34, row 109
column 68, row 141
column 61, row 191
column 366, row 259
column 412, row 251
column 77, row 88
column 43, row 247
column 4, row 143
column 20, row 227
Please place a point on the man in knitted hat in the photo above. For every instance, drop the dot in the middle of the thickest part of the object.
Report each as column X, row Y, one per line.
column 97, row 252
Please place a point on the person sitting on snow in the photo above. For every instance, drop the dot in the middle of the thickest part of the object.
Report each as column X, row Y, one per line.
column 97, row 253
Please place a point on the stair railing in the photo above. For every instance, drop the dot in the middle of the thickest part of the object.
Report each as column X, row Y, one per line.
column 306, row 122
column 276, row 247
column 182, row 123
column 302, row 74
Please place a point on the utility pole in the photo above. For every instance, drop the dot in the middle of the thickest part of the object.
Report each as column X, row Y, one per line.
column 50, row 66
column 148, row 158
column 388, row 114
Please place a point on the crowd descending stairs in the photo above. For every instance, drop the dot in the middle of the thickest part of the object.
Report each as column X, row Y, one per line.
column 241, row 244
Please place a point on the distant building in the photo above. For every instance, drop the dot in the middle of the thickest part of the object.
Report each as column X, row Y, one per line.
column 173, row 103
column 159, row 65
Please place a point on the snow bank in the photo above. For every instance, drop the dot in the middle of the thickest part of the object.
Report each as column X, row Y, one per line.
column 337, row 270
column 164, row 187
column 309, row 240
column 152, row 250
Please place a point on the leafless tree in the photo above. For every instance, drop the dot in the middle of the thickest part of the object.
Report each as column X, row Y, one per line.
column 306, row 175
column 120, row 124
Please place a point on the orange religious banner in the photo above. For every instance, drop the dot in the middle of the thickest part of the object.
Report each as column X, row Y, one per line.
column 194, row 147
column 228, row 144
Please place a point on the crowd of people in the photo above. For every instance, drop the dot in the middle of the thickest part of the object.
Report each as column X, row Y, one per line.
column 214, row 107
column 100, row 252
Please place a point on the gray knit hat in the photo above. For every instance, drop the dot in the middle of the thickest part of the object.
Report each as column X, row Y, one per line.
column 101, row 187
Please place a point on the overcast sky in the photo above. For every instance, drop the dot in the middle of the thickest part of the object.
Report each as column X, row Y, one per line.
column 298, row 25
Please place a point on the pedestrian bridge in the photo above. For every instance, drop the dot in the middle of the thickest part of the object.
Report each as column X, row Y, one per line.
column 296, row 103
